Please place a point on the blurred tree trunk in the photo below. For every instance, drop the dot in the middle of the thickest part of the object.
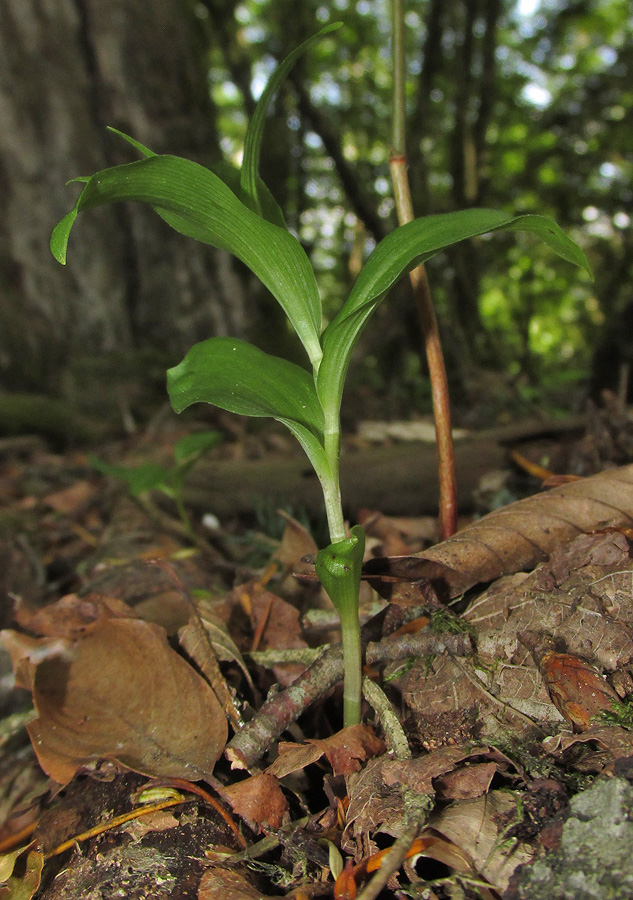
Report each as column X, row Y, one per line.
column 68, row 69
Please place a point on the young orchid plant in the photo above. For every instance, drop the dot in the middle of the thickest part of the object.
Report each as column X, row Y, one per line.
column 233, row 209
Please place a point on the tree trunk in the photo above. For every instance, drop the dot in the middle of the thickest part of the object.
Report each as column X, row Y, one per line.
column 68, row 69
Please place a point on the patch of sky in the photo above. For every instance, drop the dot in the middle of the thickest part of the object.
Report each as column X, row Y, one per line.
column 312, row 140
column 243, row 14
column 326, row 91
column 621, row 220
column 536, row 95
column 382, row 185
column 608, row 170
column 608, row 55
column 253, row 34
column 262, row 70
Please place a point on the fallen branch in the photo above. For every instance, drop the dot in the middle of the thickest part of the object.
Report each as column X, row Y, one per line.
column 283, row 708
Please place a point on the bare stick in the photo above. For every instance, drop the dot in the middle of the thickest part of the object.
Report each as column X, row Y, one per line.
column 284, row 707
column 422, row 291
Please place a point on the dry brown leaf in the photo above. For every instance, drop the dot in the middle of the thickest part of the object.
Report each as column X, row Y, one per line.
column 68, row 616
column 577, row 690
column 72, row 499
column 293, row 757
column 345, row 751
column 350, row 747
column 477, row 827
column 124, row 694
column 259, row 801
column 27, row 653
column 296, row 543
column 615, row 740
column 467, row 783
column 223, row 644
column 227, row 884
column 377, row 793
column 520, row 535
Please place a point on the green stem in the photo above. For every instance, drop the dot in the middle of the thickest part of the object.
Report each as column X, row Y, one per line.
column 330, row 484
column 339, row 569
column 353, row 663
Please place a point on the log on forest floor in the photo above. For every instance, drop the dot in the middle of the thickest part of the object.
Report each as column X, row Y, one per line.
column 398, row 479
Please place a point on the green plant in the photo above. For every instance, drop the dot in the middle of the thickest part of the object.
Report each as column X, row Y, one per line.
column 141, row 480
column 232, row 209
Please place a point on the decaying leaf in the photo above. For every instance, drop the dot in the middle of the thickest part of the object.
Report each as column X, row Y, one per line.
column 579, row 603
column 259, row 801
column 68, row 616
column 122, row 693
column 21, row 887
column 223, row 644
column 520, row 535
column 478, row 828
column 377, row 793
column 577, row 690
column 218, row 882
column 345, row 751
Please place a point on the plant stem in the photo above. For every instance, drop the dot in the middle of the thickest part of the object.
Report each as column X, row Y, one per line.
column 330, row 484
column 339, row 569
column 353, row 663
column 422, row 291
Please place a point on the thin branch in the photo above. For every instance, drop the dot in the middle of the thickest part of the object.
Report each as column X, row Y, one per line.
column 283, row 708
column 422, row 294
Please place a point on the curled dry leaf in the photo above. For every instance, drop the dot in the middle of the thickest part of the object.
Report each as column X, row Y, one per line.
column 259, row 801
column 520, row 535
column 122, row 693
column 345, row 751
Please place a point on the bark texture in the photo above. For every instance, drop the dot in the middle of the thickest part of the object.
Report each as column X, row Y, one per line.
column 68, row 68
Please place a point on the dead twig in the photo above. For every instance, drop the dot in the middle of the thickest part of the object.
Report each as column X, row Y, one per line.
column 283, row 708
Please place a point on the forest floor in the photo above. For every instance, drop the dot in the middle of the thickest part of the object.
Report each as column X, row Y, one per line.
column 170, row 702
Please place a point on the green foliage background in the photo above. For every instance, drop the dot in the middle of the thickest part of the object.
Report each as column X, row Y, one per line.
column 522, row 106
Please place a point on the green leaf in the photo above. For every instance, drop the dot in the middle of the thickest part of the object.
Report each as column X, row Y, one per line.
column 231, row 176
column 398, row 253
column 142, row 149
column 139, row 479
column 192, row 446
column 197, row 203
column 269, row 208
column 240, row 378
column 251, row 184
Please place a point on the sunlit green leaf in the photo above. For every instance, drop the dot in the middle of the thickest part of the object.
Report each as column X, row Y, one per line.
column 398, row 253
column 196, row 202
column 242, row 379
column 250, row 182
